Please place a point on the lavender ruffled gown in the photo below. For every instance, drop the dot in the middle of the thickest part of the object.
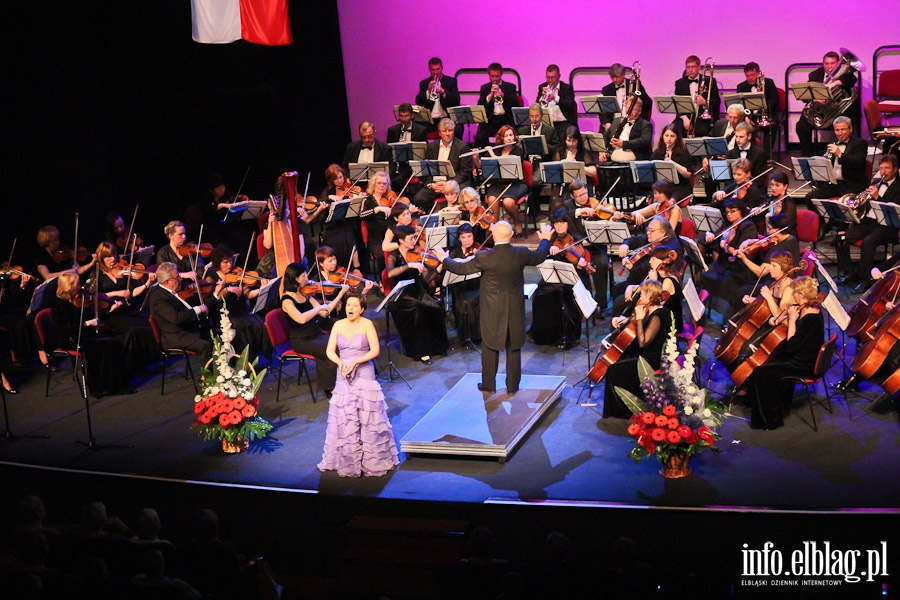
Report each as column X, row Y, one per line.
column 359, row 439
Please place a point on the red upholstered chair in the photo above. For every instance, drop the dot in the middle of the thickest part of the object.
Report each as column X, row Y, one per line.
column 809, row 257
column 688, row 229
column 873, row 116
column 46, row 330
column 888, row 88
column 260, row 247
column 433, row 135
column 823, row 364
column 167, row 353
column 781, row 122
column 279, row 329
column 807, row 226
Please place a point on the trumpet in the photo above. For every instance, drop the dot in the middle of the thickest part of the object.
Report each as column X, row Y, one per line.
column 432, row 89
column 706, row 81
column 545, row 96
column 498, row 99
column 764, row 115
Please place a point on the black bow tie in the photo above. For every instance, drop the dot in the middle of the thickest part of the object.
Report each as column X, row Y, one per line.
column 619, row 87
column 693, row 80
column 406, row 130
column 367, row 147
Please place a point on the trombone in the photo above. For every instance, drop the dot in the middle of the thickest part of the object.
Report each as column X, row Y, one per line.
column 764, row 114
column 706, row 83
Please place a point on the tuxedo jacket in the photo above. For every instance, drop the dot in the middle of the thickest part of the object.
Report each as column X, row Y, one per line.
column 640, row 139
column 848, row 82
column 565, row 101
column 178, row 325
column 771, row 94
column 419, row 133
column 382, row 152
column 893, row 192
column 502, row 300
column 646, row 102
column 449, row 98
column 549, row 134
column 683, row 88
column 853, row 163
column 510, row 100
column 758, row 160
column 462, row 166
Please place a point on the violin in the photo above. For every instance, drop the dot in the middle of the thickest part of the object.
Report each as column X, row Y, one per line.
column 64, row 255
column 605, row 211
column 482, row 217
column 636, row 255
column 191, row 249
column 15, row 272
column 347, row 190
column 391, row 198
column 426, row 258
column 354, row 279
column 121, row 268
column 317, row 288
column 86, row 299
column 205, row 287
column 574, row 251
column 237, row 275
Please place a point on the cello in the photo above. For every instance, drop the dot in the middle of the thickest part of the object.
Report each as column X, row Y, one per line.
column 873, row 304
column 872, row 355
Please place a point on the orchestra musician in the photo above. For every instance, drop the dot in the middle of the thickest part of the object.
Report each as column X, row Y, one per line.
column 746, row 149
column 375, row 212
column 671, row 149
column 304, row 312
column 776, row 287
column 327, row 270
column 580, row 207
column 498, row 98
column 216, row 229
column 573, row 149
column 663, row 204
column 690, row 85
column 447, row 148
column 406, row 130
column 366, row 149
column 754, row 83
column 749, row 195
column 180, row 324
column 50, row 261
column 883, row 189
column 16, row 290
column 115, row 231
column 191, row 264
column 502, row 301
column 619, row 87
column 340, row 234
column 652, row 325
column 726, row 128
column 511, row 190
column 466, row 295
column 400, row 217
column 830, row 63
column 250, row 328
column 536, row 126
column 556, row 318
column 770, row 388
column 659, row 234
column 559, row 97
column 481, row 218
column 417, row 315
column 782, row 204
column 661, row 261
column 634, row 140
column 437, row 93
column 725, row 275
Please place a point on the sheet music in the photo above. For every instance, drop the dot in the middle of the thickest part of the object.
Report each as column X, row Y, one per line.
column 836, row 310
column 695, row 305
column 394, row 293
column 529, row 289
column 694, row 252
column 583, row 298
column 823, row 272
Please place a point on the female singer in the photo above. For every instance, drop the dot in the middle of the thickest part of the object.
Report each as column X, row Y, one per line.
column 749, row 194
column 339, row 234
column 652, row 328
column 573, row 150
column 190, row 265
column 507, row 135
column 671, row 149
column 250, row 328
column 782, row 204
column 466, row 295
column 123, row 315
column 375, row 212
column 556, row 315
column 104, row 354
column 359, row 439
column 472, row 211
column 729, row 239
column 304, row 313
column 661, row 261
column 418, row 316
column 770, row 393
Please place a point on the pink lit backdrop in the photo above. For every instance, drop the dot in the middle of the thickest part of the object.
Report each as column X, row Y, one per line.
column 387, row 43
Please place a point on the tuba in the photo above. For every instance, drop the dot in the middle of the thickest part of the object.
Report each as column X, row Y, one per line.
column 823, row 115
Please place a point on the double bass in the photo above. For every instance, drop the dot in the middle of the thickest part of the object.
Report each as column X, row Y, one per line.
column 872, row 305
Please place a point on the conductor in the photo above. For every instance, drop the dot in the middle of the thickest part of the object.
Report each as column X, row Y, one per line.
column 502, row 300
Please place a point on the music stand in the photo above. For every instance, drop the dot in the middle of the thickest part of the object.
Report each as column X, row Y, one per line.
column 554, row 271
column 467, row 115
column 338, row 211
column 808, row 91
column 403, row 152
column 386, row 307
column 835, row 211
column 444, row 236
column 694, row 255
column 452, row 279
column 651, row 171
column 520, row 116
column 752, row 101
column 142, row 256
column 815, row 169
column 432, row 168
column 706, row 146
column 502, row 168
column 449, row 216
column 355, row 208
column 886, row 213
column 249, row 209
column 535, row 145
column 695, row 305
column 268, row 296
column 562, row 171
column 720, row 170
column 594, row 142
column 675, row 105
column 597, row 105
column 706, row 218
column 420, row 113
column 606, row 232
column 365, row 171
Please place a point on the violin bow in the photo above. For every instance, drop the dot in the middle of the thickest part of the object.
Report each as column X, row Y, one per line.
column 405, row 185
column 131, row 228
column 306, row 189
column 241, row 187
column 130, row 263
column 490, row 209
column 195, row 262
column 352, row 183
column 75, row 250
column 321, row 277
column 247, row 259
column 422, row 229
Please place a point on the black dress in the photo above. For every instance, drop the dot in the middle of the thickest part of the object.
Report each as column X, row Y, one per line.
column 340, row 234
column 771, row 394
column 466, row 297
column 417, row 315
column 307, row 338
column 130, row 322
column 624, row 372
column 104, row 353
column 556, row 317
column 249, row 328
column 674, row 304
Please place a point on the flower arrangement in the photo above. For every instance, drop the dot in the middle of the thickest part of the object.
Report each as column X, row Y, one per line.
column 677, row 420
column 226, row 408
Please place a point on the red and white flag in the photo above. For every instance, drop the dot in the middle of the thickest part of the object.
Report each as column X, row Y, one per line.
column 263, row 22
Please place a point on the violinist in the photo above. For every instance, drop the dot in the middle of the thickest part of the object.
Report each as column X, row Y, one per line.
column 340, row 234
column 250, row 328
column 476, row 215
column 104, row 354
column 181, row 325
column 664, row 204
column 556, row 316
column 450, row 200
column 739, row 189
column 400, row 217
column 305, row 311
column 652, row 327
column 446, row 148
column 466, row 295
column 122, row 315
column 16, row 290
column 418, row 316
column 116, row 232
column 758, row 255
column 724, row 275
column 782, row 204
column 188, row 263
column 518, row 188
column 217, row 228
column 579, row 207
column 769, row 392
column 376, row 212
column 671, row 148
column 328, row 270
column 661, row 261
column 776, row 289
column 50, row 261
column 636, row 251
